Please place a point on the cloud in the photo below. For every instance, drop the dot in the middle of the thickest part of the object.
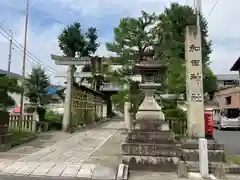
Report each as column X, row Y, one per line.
column 47, row 19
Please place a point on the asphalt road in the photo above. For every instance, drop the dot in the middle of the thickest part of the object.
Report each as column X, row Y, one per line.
column 230, row 139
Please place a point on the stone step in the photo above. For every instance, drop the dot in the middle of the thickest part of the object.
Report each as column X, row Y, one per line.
column 193, row 166
column 168, row 150
column 151, row 125
column 151, row 163
column 153, row 141
column 154, row 136
column 193, row 144
column 213, row 155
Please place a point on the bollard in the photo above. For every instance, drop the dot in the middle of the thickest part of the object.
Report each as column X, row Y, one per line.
column 203, row 157
column 127, row 116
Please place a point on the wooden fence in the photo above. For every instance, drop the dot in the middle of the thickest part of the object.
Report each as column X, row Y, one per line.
column 27, row 122
column 178, row 125
column 87, row 106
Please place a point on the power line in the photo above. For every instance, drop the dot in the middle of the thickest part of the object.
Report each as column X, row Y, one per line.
column 29, row 54
column 44, row 13
column 215, row 4
column 47, row 15
column 10, row 55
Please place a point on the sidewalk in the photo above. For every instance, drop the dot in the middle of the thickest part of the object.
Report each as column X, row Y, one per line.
column 67, row 158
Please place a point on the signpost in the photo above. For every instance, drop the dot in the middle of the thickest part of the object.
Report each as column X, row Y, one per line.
column 69, row 61
column 195, row 96
column 194, row 83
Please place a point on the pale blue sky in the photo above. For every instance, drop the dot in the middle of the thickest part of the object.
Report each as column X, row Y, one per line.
column 48, row 17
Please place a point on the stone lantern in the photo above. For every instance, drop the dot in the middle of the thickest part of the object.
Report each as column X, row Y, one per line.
column 150, row 145
column 150, row 110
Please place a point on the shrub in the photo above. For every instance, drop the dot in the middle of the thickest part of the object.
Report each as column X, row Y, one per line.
column 175, row 116
column 177, row 112
column 54, row 120
column 53, row 116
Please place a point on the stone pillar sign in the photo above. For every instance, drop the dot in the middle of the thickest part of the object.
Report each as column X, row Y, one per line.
column 194, row 83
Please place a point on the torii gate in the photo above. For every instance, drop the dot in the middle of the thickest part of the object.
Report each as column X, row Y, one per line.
column 70, row 62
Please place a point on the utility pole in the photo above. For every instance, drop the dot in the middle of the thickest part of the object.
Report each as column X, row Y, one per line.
column 202, row 141
column 10, row 54
column 24, row 59
column 198, row 10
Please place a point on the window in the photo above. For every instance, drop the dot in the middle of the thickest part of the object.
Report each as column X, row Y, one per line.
column 228, row 100
column 149, row 78
column 229, row 82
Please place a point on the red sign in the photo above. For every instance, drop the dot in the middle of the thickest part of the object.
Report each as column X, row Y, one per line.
column 208, row 116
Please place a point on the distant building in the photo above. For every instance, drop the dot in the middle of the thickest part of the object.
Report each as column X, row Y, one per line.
column 228, row 97
column 226, row 80
column 15, row 96
column 11, row 74
column 228, row 94
column 54, row 93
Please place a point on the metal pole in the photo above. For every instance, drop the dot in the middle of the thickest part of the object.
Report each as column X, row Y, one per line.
column 202, row 142
column 10, row 54
column 24, row 59
column 194, row 6
column 198, row 5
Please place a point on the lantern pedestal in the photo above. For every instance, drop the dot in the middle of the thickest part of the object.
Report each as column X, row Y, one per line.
column 151, row 146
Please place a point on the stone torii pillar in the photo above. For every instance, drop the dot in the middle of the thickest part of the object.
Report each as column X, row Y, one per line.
column 70, row 62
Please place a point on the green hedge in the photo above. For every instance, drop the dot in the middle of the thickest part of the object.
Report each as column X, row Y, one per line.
column 177, row 112
column 176, row 117
column 54, row 120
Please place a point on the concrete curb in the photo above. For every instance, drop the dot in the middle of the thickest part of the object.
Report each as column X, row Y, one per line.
column 192, row 175
column 123, row 172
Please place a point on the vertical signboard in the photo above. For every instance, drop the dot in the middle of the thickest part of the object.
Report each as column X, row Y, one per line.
column 194, row 82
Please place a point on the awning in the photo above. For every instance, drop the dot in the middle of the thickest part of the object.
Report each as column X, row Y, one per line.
column 16, row 110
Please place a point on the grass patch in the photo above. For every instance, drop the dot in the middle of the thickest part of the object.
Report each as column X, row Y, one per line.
column 234, row 159
column 17, row 136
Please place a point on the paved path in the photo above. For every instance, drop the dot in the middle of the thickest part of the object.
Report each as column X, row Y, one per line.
column 90, row 154
column 67, row 158
column 230, row 139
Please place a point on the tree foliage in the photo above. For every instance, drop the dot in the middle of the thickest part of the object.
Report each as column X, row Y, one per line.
column 35, row 85
column 132, row 37
column 74, row 40
column 164, row 32
column 170, row 30
column 8, row 85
